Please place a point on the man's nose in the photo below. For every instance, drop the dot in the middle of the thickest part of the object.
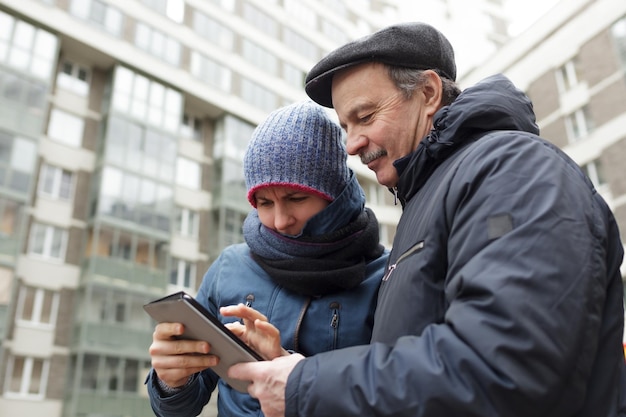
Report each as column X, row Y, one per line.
column 355, row 141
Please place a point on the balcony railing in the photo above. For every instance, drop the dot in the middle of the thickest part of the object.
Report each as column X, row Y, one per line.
column 113, row 338
column 111, row 404
column 8, row 249
column 129, row 273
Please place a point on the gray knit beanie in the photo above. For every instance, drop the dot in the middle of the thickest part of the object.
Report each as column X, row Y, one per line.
column 297, row 146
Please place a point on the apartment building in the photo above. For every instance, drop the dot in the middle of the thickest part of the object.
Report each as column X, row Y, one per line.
column 122, row 129
column 572, row 64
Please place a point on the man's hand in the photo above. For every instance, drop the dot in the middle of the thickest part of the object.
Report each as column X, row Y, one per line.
column 176, row 360
column 255, row 331
column 269, row 380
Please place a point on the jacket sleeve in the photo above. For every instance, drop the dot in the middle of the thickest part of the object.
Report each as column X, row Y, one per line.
column 525, row 292
column 189, row 401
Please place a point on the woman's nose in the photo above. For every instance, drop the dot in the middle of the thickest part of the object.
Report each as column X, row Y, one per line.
column 283, row 220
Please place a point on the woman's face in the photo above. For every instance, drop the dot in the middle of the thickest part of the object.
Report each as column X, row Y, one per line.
column 286, row 210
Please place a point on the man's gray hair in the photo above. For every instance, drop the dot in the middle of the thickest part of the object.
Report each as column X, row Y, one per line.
column 409, row 79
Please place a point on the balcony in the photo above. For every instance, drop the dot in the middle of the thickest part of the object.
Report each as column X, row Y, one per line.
column 8, row 249
column 125, row 273
column 3, row 320
column 112, row 404
column 113, row 338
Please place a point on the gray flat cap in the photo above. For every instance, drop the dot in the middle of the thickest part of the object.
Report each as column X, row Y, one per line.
column 411, row 45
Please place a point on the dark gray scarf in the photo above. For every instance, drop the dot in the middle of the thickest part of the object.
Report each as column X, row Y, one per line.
column 316, row 265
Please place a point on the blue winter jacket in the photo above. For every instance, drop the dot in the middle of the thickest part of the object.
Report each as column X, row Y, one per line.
column 504, row 293
column 307, row 325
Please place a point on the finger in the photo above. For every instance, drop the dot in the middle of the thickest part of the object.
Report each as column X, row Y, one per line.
column 242, row 311
column 236, row 328
column 191, row 363
column 267, row 328
column 244, row 371
column 163, row 331
column 178, row 347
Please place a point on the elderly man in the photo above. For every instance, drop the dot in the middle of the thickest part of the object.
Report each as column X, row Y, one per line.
column 503, row 294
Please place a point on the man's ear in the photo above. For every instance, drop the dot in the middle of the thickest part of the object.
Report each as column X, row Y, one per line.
column 432, row 88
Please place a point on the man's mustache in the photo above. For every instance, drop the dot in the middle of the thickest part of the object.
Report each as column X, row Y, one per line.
column 366, row 158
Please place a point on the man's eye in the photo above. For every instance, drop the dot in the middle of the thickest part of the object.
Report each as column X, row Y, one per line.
column 298, row 199
column 263, row 203
column 365, row 119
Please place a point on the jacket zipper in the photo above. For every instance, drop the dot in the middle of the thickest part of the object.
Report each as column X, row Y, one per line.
column 334, row 322
column 417, row 247
column 296, row 335
column 249, row 300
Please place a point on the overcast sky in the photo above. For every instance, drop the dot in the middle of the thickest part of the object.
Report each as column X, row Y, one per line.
column 470, row 46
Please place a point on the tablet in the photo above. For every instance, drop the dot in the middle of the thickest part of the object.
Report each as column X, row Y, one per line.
column 200, row 324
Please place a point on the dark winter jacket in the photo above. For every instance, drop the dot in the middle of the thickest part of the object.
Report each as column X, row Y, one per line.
column 503, row 297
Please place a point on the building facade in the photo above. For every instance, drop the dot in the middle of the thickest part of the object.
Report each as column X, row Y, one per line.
column 572, row 65
column 122, row 129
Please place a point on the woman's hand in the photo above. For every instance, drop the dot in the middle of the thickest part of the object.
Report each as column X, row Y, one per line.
column 255, row 331
column 175, row 360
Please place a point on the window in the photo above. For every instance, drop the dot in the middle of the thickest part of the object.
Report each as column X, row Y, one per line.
column 260, row 57
column 112, row 307
column 140, row 149
column 99, row 13
column 299, row 44
column 231, row 138
column 338, row 8
column 187, row 221
column 191, row 127
column 233, row 222
column 37, row 306
column 10, row 217
column 17, row 162
column 209, row 71
column 74, row 78
column 55, row 182
column 301, row 12
column 213, row 31
column 134, row 198
column 595, row 173
column 146, row 100
column 47, row 241
column 578, row 124
column 117, row 308
column 173, row 9
column 618, row 30
column 66, row 128
column 26, row 377
column 334, row 32
column 294, row 76
column 22, row 102
column 258, row 96
column 157, row 44
column 188, row 173
column 567, row 76
column 106, row 374
column 183, row 274
column 260, row 20
column 27, row 48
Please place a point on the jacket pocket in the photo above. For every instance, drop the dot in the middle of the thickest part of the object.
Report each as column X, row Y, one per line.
column 412, row 250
